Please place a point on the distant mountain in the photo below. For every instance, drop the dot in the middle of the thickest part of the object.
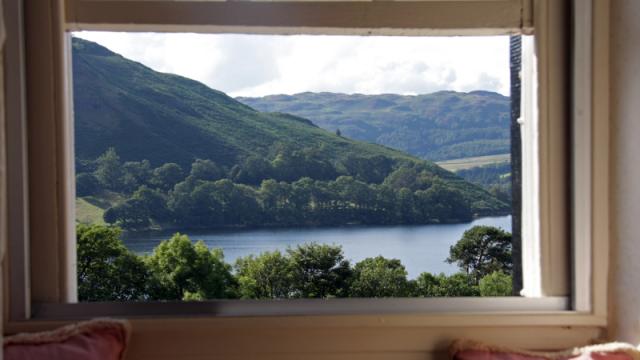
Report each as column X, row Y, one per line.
column 144, row 114
column 439, row 126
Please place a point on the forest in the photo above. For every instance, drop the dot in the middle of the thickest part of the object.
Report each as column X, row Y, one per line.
column 179, row 269
column 294, row 188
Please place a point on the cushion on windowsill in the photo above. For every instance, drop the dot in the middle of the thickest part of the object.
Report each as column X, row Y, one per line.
column 471, row 350
column 100, row 339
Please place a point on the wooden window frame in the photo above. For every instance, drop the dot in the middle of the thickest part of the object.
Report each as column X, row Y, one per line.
column 40, row 270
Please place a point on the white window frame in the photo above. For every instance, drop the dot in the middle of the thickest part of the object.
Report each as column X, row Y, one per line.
column 47, row 276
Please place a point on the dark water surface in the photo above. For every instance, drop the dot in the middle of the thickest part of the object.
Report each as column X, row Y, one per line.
column 419, row 247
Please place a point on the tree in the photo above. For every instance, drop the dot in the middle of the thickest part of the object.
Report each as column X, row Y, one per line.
column 153, row 202
column 167, row 176
column 205, row 170
column 109, row 171
column 265, row 276
column 181, row 270
column 253, row 170
column 481, row 251
column 131, row 214
column 338, row 132
column 406, row 206
column 140, row 170
column 403, row 177
column 319, row 271
column 135, row 174
column 446, row 204
column 460, row 284
column 368, row 169
column 181, row 203
column 87, row 185
column 379, row 277
column 496, row 284
column 107, row 271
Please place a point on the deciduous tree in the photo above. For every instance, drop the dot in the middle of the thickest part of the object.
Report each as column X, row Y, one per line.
column 264, row 276
column 107, row 271
column 481, row 251
column 379, row 277
column 319, row 271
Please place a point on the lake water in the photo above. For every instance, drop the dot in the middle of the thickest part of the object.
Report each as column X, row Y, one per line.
column 419, row 247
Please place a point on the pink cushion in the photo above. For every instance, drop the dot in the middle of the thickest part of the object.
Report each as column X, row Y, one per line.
column 469, row 350
column 91, row 340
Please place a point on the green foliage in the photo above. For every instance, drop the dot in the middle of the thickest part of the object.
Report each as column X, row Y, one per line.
column 136, row 174
column 444, row 203
column 481, row 251
column 131, row 214
column 153, row 203
column 106, row 269
column 252, row 171
column 319, row 271
column 410, row 194
column 442, row 125
column 496, row 178
column 109, row 170
column 265, row 276
column 379, row 277
column 180, row 270
column 496, row 284
column 87, row 185
column 166, row 176
column 206, row 170
column 460, row 284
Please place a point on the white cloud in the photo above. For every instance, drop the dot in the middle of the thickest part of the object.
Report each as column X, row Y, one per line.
column 256, row 65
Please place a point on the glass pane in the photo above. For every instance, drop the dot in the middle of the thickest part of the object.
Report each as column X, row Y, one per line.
column 268, row 166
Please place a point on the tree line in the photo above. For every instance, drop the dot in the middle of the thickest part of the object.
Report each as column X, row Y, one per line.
column 296, row 188
column 496, row 178
column 179, row 269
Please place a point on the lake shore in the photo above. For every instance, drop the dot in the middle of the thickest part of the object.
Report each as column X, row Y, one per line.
column 419, row 247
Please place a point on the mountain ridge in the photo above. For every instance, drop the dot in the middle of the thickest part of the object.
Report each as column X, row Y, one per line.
column 437, row 126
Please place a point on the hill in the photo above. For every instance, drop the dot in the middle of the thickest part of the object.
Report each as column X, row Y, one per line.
column 164, row 118
column 178, row 152
column 439, row 126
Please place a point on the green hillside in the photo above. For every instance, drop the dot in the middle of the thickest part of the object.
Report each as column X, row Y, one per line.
column 177, row 153
column 164, row 118
column 439, row 126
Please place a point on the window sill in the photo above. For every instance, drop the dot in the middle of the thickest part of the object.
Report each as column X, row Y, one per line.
column 305, row 307
column 392, row 336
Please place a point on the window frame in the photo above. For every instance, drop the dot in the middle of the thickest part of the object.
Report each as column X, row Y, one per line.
column 46, row 277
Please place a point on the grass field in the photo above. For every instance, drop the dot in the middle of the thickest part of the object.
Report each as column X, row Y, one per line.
column 471, row 162
column 87, row 213
column 89, row 209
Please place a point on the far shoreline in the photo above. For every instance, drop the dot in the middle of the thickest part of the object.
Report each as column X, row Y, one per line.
column 248, row 228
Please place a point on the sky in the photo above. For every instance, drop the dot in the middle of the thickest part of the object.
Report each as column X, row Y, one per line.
column 259, row 65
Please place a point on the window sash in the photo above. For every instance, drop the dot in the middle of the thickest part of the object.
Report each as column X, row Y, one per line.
column 306, row 307
column 50, row 162
column 444, row 17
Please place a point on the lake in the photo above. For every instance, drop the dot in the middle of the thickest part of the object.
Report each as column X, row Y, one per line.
column 419, row 247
